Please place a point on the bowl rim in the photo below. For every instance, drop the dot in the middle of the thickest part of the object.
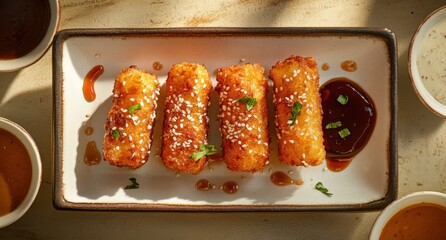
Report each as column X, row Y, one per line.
column 36, row 164
column 434, row 197
column 11, row 65
column 420, row 90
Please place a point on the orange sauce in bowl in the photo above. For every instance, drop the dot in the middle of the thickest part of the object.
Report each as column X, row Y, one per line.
column 15, row 172
column 419, row 221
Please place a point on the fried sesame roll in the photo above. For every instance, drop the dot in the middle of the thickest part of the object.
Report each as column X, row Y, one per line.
column 185, row 127
column 298, row 111
column 130, row 121
column 243, row 117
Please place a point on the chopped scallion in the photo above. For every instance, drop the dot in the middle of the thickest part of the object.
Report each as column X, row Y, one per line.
column 206, row 149
column 135, row 107
column 295, row 111
column 344, row 133
column 342, row 99
column 115, row 134
column 134, row 184
column 333, row 125
column 249, row 101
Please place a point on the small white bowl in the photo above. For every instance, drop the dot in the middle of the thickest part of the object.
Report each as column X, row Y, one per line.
column 411, row 199
column 36, row 171
column 11, row 65
column 419, row 86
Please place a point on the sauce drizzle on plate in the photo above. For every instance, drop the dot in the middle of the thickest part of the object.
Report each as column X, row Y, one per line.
column 92, row 156
column 89, row 81
column 280, row 178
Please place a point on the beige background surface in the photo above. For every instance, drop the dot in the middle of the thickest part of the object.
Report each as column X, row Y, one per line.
column 26, row 98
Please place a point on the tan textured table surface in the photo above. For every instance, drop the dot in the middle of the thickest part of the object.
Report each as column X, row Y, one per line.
column 26, row 98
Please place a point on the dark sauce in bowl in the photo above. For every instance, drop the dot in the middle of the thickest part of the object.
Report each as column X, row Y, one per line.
column 23, row 25
column 358, row 115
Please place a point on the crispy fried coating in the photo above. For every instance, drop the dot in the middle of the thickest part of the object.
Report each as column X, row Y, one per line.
column 296, row 79
column 185, row 127
column 245, row 138
column 130, row 121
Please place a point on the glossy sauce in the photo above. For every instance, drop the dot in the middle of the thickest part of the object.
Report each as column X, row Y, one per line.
column 15, row 172
column 89, row 81
column 358, row 116
column 23, row 25
column 215, row 157
column 419, row 221
column 92, row 156
column 337, row 165
column 88, row 131
column 280, row 178
column 204, row 185
column 230, row 187
column 157, row 66
column 325, row 67
column 349, row 66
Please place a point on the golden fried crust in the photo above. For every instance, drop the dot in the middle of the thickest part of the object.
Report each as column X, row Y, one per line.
column 297, row 79
column 185, row 127
column 245, row 138
column 127, row 140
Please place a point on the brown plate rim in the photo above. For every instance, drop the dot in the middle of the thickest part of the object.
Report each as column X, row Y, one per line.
column 59, row 202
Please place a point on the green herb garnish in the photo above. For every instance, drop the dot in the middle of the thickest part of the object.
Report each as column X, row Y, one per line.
column 342, row 99
column 134, row 184
column 344, row 133
column 295, row 111
column 320, row 187
column 133, row 108
column 333, row 125
column 206, row 149
column 115, row 134
column 249, row 101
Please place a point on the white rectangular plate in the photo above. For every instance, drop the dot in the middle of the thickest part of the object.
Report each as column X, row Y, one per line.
column 368, row 183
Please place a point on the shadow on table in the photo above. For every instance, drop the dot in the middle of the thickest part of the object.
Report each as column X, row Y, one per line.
column 413, row 117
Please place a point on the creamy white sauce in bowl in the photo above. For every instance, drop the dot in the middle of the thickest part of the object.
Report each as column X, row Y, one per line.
column 427, row 61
